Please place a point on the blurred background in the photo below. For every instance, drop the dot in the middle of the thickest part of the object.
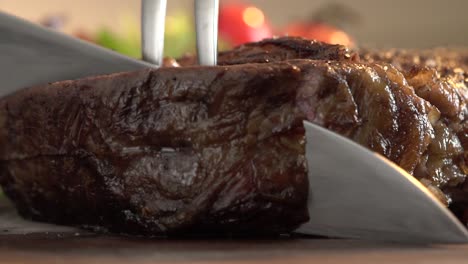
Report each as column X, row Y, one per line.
column 370, row 23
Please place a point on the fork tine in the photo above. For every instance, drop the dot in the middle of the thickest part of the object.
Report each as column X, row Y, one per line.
column 153, row 17
column 206, row 19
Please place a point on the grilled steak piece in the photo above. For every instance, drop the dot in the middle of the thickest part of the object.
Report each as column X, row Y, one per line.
column 440, row 76
column 275, row 50
column 195, row 149
column 448, row 62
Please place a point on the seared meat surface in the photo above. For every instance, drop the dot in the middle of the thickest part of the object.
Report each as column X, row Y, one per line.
column 199, row 149
column 220, row 149
column 174, row 150
column 448, row 62
column 275, row 50
column 440, row 76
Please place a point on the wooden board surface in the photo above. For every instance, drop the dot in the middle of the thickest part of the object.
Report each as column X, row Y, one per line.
column 26, row 242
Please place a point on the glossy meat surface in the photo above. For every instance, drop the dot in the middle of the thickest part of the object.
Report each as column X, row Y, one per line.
column 156, row 152
column 195, row 149
column 448, row 62
column 276, row 50
column 439, row 76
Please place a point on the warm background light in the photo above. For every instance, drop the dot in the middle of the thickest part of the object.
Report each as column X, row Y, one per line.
column 253, row 17
column 397, row 23
column 340, row 37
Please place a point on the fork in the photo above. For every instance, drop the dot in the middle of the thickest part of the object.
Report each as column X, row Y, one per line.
column 153, row 23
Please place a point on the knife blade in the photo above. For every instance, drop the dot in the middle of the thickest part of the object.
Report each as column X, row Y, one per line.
column 32, row 55
column 356, row 193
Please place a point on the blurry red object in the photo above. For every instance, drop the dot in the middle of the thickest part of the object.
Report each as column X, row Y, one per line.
column 241, row 23
column 83, row 35
column 319, row 31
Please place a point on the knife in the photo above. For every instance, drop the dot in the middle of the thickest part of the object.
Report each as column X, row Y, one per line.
column 354, row 193
column 32, row 55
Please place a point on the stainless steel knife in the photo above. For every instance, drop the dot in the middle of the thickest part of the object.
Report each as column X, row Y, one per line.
column 354, row 193
column 32, row 55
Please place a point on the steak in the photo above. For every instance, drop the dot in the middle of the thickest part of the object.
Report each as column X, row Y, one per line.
column 448, row 62
column 275, row 50
column 195, row 149
column 220, row 149
column 440, row 76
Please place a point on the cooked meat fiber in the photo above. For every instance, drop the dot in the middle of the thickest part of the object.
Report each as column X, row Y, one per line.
column 440, row 76
column 448, row 62
column 275, row 50
column 159, row 151
column 195, row 149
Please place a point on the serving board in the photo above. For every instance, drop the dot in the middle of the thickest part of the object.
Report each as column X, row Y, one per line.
column 27, row 242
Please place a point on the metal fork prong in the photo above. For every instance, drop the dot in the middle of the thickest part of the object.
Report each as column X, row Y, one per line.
column 153, row 17
column 206, row 20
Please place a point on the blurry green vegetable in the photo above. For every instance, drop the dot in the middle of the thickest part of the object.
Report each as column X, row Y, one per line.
column 118, row 43
column 179, row 37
